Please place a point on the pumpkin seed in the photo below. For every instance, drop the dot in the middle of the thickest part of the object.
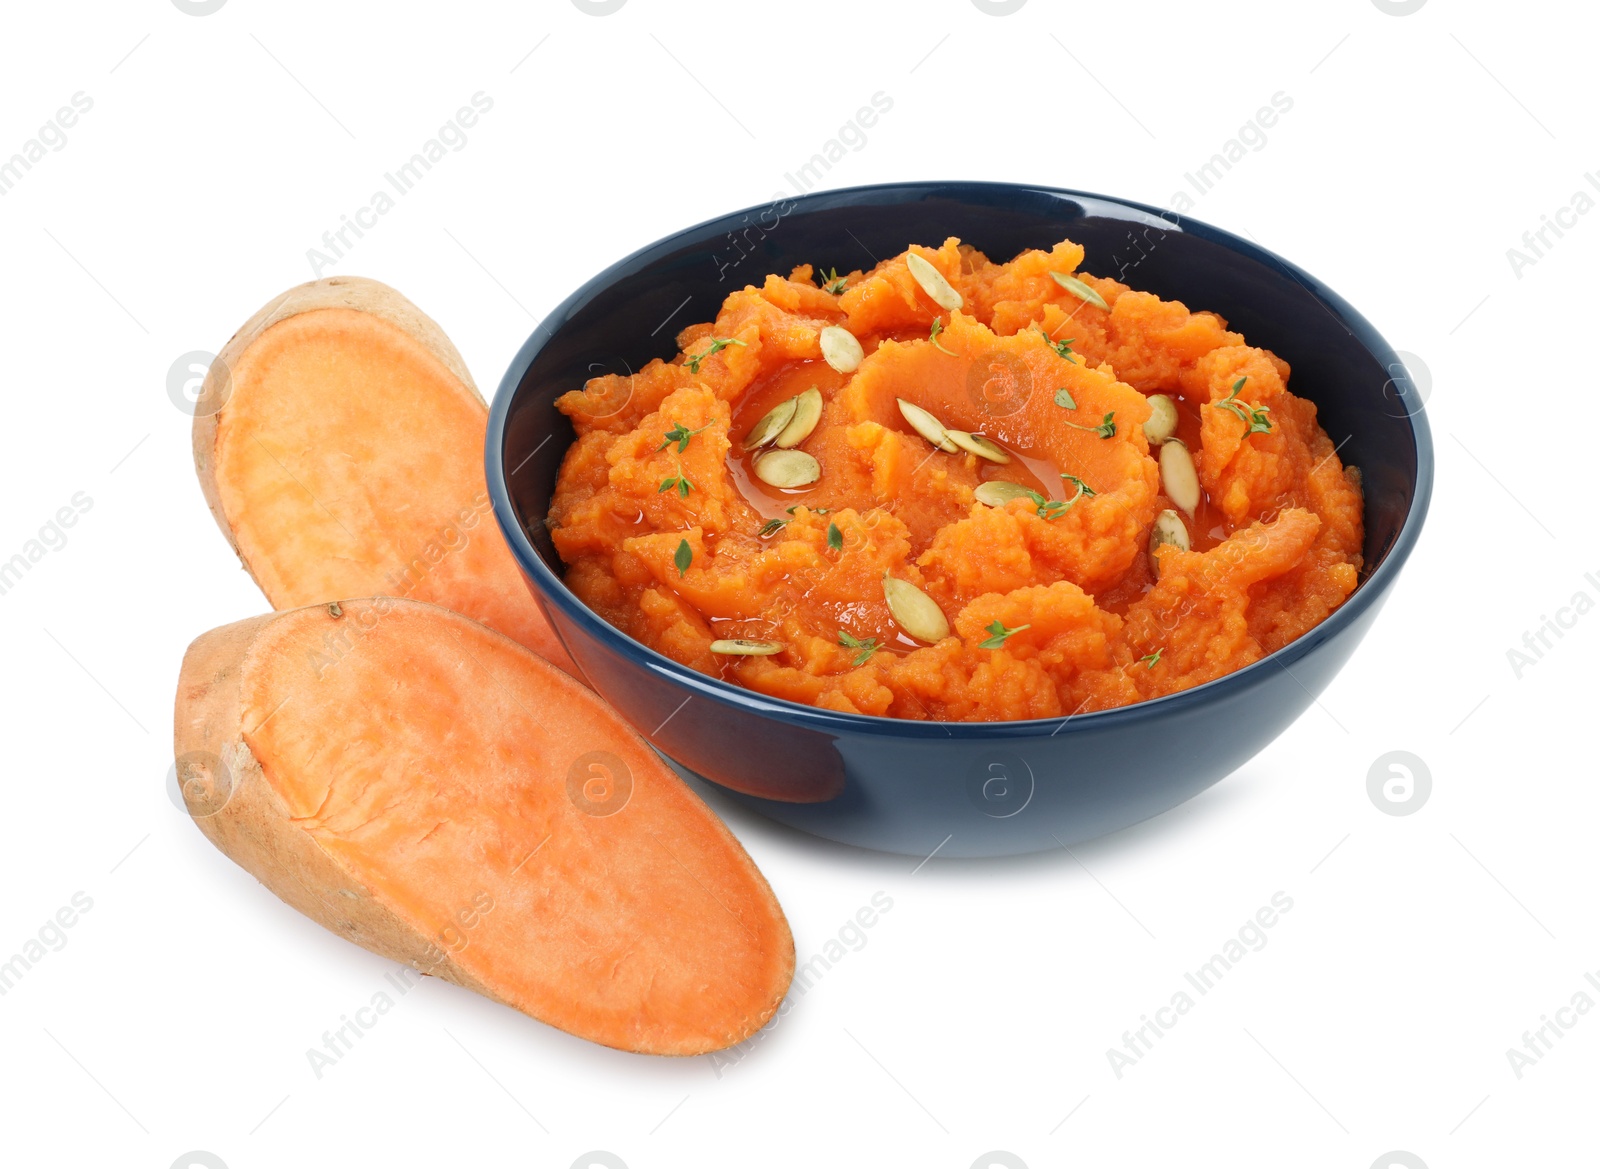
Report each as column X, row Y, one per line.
column 1178, row 477
column 978, row 445
column 915, row 611
column 1163, row 421
column 771, row 425
column 807, row 412
column 840, row 349
column 1170, row 529
column 926, row 425
column 745, row 648
column 787, row 469
column 1079, row 289
column 932, row 281
column 999, row 492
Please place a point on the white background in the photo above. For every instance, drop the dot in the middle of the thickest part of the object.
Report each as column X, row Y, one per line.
column 977, row 1016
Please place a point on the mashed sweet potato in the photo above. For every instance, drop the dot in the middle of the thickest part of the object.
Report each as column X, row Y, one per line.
column 1056, row 601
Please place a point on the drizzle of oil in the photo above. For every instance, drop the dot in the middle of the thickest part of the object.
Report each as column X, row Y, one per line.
column 1030, row 468
column 1027, row 468
column 855, row 615
column 1208, row 527
column 754, row 405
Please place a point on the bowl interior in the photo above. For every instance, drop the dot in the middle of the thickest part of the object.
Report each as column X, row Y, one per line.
column 630, row 314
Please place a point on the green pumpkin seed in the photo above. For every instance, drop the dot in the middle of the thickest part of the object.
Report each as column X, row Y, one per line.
column 745, row 648
column 1170, row 529
column 926, row 425
column 807, row 413
column 771, row 425
column 999, row 492
column 840, row 349
column 787, row 469
column 1163, row 421
column 932, row 281
column 978, row 445
column 1079, row 289
column 1178, row 477
column 914, row 610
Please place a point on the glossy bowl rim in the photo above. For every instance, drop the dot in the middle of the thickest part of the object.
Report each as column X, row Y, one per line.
column 554, row 591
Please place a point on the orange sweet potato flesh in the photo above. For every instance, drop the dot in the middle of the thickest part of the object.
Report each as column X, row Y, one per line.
column 434, row 792
column 1090, row 620
column 347, row 460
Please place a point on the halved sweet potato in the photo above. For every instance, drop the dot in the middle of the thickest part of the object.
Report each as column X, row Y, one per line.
column 432, row 791
column 346, row 460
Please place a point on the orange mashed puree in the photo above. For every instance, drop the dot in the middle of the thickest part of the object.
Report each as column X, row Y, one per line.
column 1089, row 614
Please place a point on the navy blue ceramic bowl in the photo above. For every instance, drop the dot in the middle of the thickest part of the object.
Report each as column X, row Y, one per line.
column 964, row 789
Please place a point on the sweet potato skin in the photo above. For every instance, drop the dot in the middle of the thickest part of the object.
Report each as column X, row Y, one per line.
column 492, row 591
column 230, row 744
column 239, row 811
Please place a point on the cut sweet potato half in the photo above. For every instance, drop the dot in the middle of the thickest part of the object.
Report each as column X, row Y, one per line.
column 339, row 443
column 429, row 789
